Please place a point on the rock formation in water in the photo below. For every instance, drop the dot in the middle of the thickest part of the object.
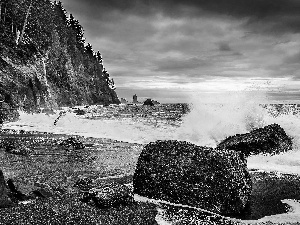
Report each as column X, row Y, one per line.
column 134, row 99
column 270, row 139
column 123, row 100
column 180, row 172
column 148, row 102
column 48, row 64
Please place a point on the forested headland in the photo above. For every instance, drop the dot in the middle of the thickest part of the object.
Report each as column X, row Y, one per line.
column 45, row 60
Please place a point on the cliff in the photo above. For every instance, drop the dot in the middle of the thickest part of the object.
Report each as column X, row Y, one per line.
column 44, row 60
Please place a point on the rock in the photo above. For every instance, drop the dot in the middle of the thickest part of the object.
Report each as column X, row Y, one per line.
column 123, row 100
column 108, row 195
column 16, row 194
column 155, row 102
column 42, row 193
column 79, row 112
column 270, row 139
column 134, row 99
column 72, row 143
column 42, row 190
column 181, row 172
column 148, row 102
column 22, row 192
column 5, row 200
column 84, row 183
column 16, row 147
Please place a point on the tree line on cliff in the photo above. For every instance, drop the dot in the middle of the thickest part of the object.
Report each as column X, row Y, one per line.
column 38, row 36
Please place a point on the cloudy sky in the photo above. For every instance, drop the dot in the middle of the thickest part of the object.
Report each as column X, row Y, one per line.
column 171, row 49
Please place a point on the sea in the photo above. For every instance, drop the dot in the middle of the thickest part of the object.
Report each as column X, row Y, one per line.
column 202, row 120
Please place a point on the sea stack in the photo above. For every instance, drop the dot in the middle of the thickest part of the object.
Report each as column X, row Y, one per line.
column 134, row 99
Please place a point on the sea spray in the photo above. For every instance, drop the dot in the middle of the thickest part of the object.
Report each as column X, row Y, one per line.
column 213, row 118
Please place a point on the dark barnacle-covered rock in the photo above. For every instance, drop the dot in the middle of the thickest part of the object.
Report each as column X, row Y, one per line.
column 15, row 146
column 270, row 139
column 108, row 194
column 71, row 143
column 184, row 173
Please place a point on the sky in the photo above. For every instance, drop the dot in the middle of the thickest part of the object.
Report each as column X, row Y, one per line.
column 170, row 50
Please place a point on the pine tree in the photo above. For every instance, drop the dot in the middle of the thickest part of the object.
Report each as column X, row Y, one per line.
column 89, row 50
column 99, row 57
column 60, row 21
column 77, row 30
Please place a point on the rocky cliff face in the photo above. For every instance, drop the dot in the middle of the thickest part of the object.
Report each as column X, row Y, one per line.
column 52, row 65
column 45, row 82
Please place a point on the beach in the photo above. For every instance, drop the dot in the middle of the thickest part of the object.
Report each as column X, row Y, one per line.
column 113, row 144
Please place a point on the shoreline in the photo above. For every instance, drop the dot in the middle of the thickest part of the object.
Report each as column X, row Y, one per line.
column 113, row 160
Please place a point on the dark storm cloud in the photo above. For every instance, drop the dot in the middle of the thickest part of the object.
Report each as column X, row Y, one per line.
column 237, row 8
column 263, row 15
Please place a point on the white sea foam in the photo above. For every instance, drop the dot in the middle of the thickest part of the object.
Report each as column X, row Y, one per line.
column 124, row 129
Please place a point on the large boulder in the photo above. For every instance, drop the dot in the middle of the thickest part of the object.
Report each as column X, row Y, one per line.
column 270, row 139
column 184, row 173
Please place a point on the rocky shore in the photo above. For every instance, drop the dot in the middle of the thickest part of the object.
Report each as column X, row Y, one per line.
column 89, row 181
